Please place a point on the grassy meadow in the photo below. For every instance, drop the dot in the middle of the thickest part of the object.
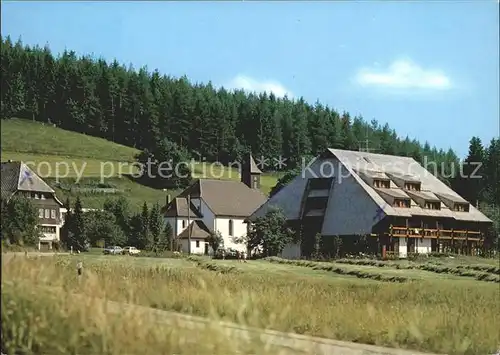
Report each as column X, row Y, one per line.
column 445, row 313
column 62, row 156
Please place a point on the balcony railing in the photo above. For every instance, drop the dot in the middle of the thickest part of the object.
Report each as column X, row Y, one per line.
column 430, row 233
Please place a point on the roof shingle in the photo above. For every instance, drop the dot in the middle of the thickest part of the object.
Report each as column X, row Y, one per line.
column 226, row 197
column 17, row 176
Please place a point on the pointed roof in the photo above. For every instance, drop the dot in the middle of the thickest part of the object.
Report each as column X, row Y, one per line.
column 289, row 197
column 249, row 165
column 198, row 230
column 226, row 197
column 17, row 176
column 179, row 208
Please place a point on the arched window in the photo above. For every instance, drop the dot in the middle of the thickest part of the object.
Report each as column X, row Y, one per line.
column 231, row 227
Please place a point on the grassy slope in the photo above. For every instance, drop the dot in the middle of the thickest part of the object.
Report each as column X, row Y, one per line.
column 53, row 152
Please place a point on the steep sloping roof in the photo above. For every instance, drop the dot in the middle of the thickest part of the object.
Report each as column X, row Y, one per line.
column 226, row 197
column 409, row 168
column 290, row 197
column 179, row 208
column 17, row 176
column 393, row 192
column 198, row 230
column 424, row 196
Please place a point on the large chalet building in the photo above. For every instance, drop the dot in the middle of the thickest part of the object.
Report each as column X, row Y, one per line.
column 393, row 200
column 210, row 205
column 17, row 179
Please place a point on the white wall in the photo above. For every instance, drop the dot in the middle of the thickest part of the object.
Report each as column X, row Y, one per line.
column 194, row 249
column 217, row 224
column 402, row 248
column 291, row 251
column 176, row 223
column 422, row 246
column 239, row 231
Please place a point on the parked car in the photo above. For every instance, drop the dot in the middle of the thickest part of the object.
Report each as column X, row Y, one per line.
column 131, row 251
column 114, row 250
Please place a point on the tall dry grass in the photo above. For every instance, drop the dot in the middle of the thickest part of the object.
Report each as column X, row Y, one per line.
column 453, row 317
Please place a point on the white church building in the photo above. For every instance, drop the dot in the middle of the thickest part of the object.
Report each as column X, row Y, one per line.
column 211, row 205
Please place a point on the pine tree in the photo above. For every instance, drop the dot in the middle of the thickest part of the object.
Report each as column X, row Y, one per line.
column 492, row 172
column 144, row 240
column 66, row 230
column 120, row 209
column 77, row 226
column 139, row 108
column 156, row 228
column 472, row 180
column 168, row 237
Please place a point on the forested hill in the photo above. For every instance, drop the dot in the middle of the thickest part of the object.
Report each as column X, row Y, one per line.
column 137, row 108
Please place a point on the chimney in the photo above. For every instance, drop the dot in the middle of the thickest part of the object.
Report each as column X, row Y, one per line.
column 168, row 200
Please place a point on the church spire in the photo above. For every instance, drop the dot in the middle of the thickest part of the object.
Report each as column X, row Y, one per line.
column 250, row 172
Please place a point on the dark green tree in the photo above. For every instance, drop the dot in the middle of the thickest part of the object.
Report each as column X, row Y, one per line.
column 156, row 229
column 77, row 227
column 216, row 241
column 120, row 209
column 270, row 232
column 102, row 226
column 19, row 222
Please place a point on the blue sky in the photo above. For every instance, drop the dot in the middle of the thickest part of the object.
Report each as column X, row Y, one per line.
column 429, row 69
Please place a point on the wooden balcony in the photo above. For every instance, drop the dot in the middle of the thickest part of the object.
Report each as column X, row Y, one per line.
column 429, row 233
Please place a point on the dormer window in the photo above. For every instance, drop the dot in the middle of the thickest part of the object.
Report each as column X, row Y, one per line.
column 432, row 205
column 412, row 186
column 385, row 184
column 461, row 207
column 401, row 203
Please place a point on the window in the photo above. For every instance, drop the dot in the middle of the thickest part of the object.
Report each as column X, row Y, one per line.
column 401, row 203
column 53, row 214
column 230, row 227
column 431, row 205
column 183, row 223
column 37, row 196
column 42, row 196
column 40, row 213
column 255, row 182
column 412, row 186
column 47, row 213
column 461, row 207
column 197, row 243
column 382, row 183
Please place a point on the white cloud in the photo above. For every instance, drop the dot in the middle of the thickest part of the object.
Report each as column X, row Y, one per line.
column 253, row 85
column 404, row 74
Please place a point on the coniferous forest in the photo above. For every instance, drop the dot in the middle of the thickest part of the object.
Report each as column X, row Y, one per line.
column 142, row 109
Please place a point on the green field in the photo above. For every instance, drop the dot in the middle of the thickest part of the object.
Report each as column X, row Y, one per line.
column 57, row 154
column 442, row 313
